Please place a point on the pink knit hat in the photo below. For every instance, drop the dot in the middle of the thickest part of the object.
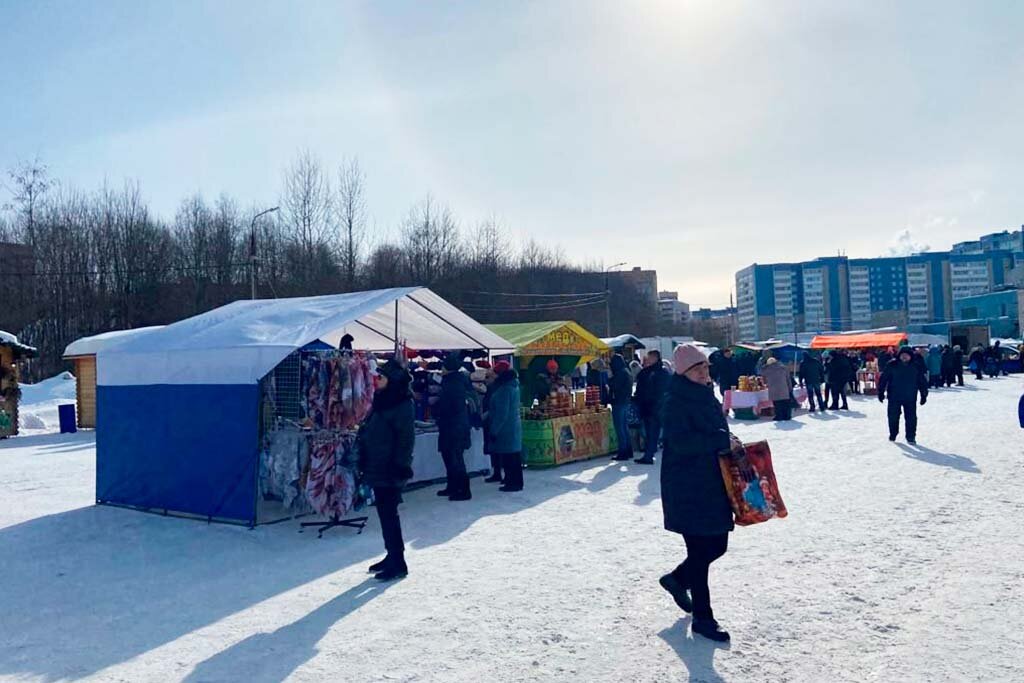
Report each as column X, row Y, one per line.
column 686, row 356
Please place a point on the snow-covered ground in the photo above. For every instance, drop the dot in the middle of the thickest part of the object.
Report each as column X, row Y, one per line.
column 896, row 563
column 37, row 410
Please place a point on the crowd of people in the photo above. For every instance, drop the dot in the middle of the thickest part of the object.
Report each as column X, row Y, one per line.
column 678, row 410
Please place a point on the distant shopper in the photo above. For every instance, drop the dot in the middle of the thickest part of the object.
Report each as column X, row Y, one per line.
column 780, row 388
column 958, row 365
column 490, row 376
column 724, row 370
column 934, row 367
column 453, row 438
column 620, row 395
column 811, row 374
column 651, row 385
column 977, row 361
column 903, row 381
column 634, row 369
column 693, row 495
column 385, row 457
column 505, row 425
column 838, row 375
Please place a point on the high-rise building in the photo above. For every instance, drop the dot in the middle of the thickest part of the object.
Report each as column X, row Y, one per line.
column 671, row 310
column 835, row 293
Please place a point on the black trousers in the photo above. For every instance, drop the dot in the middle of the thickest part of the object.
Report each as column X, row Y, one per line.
column 838, row 391
column 495, row 465
column 513, row 465
column 701, row 551
column 387, row 499
column 960, row 376
column 814, row 393
column 652, row 435
column 455, row 467
column 783, row 409
column 909, row 410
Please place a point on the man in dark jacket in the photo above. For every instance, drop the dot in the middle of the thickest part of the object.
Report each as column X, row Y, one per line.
column 724, row 370
column 948, row 366
column 385, row 458
column 453, row 428
column 839, row 374
column 958, row 365
column 811, row 375
column 620, row 394
column 651, row 384
column 902, row 379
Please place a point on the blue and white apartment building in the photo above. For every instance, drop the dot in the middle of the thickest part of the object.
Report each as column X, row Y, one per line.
column 837, row 293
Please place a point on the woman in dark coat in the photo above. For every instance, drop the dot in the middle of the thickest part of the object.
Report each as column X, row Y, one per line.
column 453, row 437
column 385, row 459
column 692, row 490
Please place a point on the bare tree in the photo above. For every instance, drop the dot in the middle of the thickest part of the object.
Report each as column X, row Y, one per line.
column 431, row 242
column 30, row 181
column 306, row 215
column 351, row 213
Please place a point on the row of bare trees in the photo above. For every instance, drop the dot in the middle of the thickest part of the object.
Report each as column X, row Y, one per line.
column 101, row 260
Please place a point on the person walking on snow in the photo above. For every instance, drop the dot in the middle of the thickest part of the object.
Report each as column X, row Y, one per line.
column 811, row 374
column 693, row 495
column 651, row 384
column 977, row 361
column 903, row 381
column 840, row 370
column 386, row 442
column 620, row 394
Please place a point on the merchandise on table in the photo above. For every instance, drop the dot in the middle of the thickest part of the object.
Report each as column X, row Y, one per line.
column 751, row 383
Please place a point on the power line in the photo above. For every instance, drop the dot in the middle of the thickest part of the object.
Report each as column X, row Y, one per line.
column 538, row 307
column 576, row 294
column 127, row 271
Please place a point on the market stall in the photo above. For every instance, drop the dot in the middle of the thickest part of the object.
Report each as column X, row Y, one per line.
column 560, row 425
column 82, row 353
column 248, row 413
column 869, row 376
column 11, row 351
column 750, row 401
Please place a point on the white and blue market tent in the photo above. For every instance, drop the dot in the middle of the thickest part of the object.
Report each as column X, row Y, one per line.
column 178, row 408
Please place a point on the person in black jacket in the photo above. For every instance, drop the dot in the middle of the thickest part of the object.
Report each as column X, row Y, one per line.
column 958, row 365
column 620, row 393
column 495, row 477
column 693, row 495
column 811, row 375
column 385, row 458
column 453, row 437
column 651, row 384
column 948, row 366
column 903, row 380
column 839, row 375
column 724, row 370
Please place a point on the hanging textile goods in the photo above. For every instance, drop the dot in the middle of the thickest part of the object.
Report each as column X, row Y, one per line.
column 283, row 469
column 336, row 389
column 331, row 487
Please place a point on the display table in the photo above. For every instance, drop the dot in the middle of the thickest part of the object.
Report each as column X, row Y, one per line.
column 868, row 380
column 563, row 439
column 428, row 466
column 750, row 405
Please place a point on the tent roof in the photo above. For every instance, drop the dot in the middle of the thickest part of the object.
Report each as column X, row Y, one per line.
column 89, row 346
column 553, row 338
column 241, row 342
column 858, row 341
column 622, row 340
column 20, row 350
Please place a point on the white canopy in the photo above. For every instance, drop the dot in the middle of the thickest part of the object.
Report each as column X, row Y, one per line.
column 90, row 346
column 243, row 341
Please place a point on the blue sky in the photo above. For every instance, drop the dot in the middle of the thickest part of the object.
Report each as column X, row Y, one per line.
column 691, row 137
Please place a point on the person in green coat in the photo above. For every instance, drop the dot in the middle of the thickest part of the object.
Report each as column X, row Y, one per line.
column 505, row 427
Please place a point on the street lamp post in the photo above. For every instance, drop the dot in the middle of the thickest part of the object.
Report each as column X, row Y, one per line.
column 252, row 249
column 608, row 300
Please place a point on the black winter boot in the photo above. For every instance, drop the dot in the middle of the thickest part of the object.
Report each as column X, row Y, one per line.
column 710, row 629
column 380, row 566
column 397, row 570
column 677, row 591
column 496, row 468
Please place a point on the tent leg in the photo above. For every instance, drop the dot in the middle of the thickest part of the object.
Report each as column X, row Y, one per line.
column 355, row 523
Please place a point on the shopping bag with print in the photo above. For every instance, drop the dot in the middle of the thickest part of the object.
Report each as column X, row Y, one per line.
column 750, row 482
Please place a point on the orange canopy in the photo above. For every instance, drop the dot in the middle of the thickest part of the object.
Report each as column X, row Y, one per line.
column 868, row 340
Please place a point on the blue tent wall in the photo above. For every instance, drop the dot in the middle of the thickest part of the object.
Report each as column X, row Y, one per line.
column 182, row 448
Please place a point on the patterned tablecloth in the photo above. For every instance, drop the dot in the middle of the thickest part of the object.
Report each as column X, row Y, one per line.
column 758, row 400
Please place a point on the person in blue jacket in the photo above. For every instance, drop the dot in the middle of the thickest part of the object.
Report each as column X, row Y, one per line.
column 505, row 427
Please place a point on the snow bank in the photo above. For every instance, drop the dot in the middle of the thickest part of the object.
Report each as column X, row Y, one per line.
column 37, row 411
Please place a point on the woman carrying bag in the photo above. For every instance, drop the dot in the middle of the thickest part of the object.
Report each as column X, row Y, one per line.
column 385, row 457
column 693, row 492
